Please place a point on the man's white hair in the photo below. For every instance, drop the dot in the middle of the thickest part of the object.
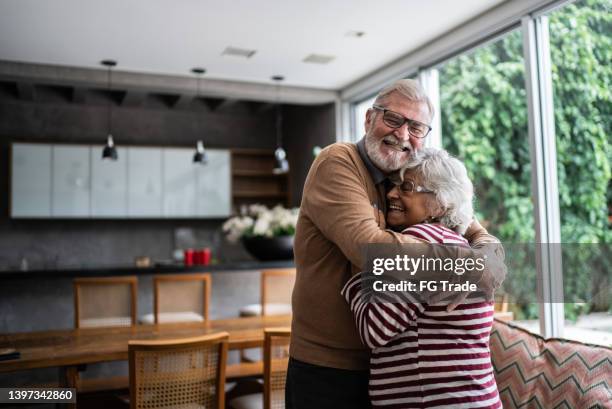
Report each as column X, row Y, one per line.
column 409, row 89
column 448, row 178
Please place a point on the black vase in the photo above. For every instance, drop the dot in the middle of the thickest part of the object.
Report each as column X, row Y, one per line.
column 269, row 248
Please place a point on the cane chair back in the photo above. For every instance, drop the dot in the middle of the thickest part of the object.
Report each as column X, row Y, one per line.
column 185, row 373
column 276, row 288
column 183, row 297
column 105, row 301
column 276, row 360
column 501, row 303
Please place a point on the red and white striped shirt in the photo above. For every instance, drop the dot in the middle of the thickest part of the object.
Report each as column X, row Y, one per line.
column 423, row 356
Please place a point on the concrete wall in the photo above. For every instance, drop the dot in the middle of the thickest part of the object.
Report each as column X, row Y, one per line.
column 53, row 117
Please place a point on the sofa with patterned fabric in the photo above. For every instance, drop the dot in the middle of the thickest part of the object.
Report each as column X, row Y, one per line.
column 533, row 372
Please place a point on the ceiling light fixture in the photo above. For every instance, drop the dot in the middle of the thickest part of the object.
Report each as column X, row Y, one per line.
column 200, row 155
column 280, row 156
column 109, row 152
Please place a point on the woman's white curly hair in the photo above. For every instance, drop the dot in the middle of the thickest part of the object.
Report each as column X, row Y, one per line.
column 448, row 178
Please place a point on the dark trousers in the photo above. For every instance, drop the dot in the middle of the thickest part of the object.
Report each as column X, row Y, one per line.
column 318, row 387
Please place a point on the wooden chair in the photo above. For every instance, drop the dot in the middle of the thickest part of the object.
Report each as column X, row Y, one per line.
column 275, row 299
column 180, row 298
column 501, row 308
column 179, row 373
column 275, row 294
column 501, row 303
column 276, row 360
column 105, row 301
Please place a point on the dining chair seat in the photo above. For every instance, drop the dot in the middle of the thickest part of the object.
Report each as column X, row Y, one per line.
column 106, row 322
column 252, row 401
column 168, row 317
column 254, row 310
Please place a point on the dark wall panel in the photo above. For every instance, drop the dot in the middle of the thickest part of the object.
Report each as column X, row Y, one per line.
column 304, row 128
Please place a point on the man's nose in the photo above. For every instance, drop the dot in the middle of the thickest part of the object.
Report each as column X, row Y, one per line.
column 402, row 133
column 404, row 136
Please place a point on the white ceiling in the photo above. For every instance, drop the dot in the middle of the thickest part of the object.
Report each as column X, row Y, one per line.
column 172, row 36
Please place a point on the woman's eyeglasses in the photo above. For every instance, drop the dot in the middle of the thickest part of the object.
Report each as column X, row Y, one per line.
column 408, row 186
column 395, row 120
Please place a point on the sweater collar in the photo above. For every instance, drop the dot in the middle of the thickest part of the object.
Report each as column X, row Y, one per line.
column 377, row 175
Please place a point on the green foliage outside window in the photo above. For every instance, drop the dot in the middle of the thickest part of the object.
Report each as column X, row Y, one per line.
column 484, row 122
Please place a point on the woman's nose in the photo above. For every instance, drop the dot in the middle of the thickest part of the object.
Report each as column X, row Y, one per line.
column 393, row 193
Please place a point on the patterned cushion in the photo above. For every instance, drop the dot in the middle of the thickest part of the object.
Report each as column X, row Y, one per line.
column 533, row 372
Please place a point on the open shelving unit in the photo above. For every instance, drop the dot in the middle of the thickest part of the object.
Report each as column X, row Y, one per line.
column 253, row 180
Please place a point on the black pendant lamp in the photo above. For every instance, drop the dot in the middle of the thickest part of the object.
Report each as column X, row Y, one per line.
column 109, row 152
column 200, row 155
column 280, row 156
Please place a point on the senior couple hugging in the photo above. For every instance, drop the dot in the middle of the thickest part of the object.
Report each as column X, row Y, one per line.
column 349, row 352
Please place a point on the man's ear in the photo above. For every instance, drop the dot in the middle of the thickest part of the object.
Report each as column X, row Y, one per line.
column 369, row 119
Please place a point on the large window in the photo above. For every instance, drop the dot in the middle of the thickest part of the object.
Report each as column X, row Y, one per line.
column 359, row 112
column 484, row 123
column 536, row 182
column 580, row 42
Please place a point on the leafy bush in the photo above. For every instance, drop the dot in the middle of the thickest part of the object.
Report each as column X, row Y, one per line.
column 484, row 122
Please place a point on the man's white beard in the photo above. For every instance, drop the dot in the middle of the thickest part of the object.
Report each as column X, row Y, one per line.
column 386, row 163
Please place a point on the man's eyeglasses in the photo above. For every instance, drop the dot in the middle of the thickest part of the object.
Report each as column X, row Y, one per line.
column 395, row 120
column 407, row 185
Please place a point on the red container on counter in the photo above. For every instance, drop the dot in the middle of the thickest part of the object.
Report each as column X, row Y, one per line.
column 189, row 255
column 206, row 256
column 202, row 257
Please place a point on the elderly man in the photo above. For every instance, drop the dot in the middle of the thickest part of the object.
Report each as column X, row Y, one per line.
column 343, row 207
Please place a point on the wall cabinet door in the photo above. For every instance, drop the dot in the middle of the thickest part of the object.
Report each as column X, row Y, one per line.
column 31, row 180
column 108, row 184
column 213, row 181
column 179, row 183
column 144, row 182
column 71, row 181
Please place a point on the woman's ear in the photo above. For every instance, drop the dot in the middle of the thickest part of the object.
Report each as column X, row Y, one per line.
column 436, row 210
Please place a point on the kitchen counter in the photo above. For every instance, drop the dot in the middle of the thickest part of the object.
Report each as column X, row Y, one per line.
column 159, row 268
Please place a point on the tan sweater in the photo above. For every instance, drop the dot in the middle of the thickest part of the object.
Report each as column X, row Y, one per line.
column 341, row 211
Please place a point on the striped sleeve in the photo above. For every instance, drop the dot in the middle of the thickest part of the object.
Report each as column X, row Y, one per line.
column 379, row 317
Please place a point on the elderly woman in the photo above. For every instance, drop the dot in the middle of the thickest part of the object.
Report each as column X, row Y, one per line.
column 422, row 355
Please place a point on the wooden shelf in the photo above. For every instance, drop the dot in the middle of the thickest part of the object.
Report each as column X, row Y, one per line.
column 253, row 152
column 256, row 173
column 253, row 180
column 255, row 194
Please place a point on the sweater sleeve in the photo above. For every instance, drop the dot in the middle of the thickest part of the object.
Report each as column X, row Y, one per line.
column 382, row 316
column 336, row 201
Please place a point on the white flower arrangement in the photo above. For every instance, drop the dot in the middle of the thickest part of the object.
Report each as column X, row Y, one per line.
column 258, row 220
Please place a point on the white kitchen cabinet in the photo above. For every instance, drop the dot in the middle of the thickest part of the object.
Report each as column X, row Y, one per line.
column 179, row 183
column 109, row 184
column 71, row 181
column 144, row 182
column 31, row 180
column 213, row 185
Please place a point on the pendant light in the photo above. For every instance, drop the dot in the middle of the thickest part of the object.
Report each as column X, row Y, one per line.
column 200, row 155
column 280, row 156
column 109, row 152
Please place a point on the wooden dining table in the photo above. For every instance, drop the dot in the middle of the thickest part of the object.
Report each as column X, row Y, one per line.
column 69, row 349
